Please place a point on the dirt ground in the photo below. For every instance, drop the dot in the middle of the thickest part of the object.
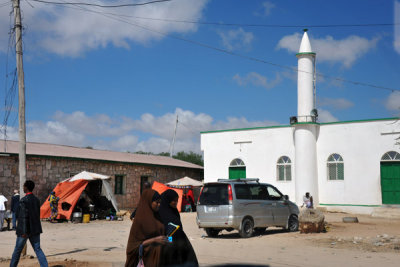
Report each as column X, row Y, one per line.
column 371, row 242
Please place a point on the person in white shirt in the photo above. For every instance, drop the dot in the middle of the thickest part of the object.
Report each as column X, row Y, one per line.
column 3, row 208
column 308, row 201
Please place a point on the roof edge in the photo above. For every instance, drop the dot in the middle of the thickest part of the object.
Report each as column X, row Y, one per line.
column 283, row 126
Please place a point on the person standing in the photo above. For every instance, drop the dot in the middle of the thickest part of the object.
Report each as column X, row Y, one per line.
column 146, row 237
column 14, row 207
column 3, row 208
column 28, row 226
column 53, row 199
column 180, row 252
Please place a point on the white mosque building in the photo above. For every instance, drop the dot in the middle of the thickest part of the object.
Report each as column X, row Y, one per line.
column 351, row 166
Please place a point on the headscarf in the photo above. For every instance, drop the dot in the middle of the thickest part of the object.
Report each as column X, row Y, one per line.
column 145, row 226
column 166, row 212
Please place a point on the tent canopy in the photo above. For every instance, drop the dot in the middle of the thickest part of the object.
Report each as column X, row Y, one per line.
column 70, row 190
column 88, row 176
column 185, row 181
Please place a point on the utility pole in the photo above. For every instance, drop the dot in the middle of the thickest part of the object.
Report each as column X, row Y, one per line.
column 173, row 139
column 21, row 96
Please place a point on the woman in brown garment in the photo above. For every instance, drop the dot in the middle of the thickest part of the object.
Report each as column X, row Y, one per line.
column 146, row 230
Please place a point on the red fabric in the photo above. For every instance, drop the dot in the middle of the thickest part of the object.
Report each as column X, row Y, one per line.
column 190, row 194
column 67, row 192
column 160, row 188
column 29, row 193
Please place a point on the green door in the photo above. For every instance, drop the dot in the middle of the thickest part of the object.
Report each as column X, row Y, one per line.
column 237, row 172
column 390, row 182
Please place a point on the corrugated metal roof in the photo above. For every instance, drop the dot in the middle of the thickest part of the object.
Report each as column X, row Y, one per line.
column 41, row 149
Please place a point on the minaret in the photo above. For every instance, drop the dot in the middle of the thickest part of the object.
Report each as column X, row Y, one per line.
column 306, row 128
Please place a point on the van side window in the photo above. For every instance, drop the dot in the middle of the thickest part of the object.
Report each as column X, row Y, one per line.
column 258, row 192
column 273, row 194
column 242, row 191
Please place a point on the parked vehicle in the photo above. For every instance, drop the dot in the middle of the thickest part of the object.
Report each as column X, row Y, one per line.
column 245, row 205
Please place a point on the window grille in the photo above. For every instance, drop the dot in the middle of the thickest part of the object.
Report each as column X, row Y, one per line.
column 335, row 167
column 390, row 156
column 237, row 163
column 284, row 169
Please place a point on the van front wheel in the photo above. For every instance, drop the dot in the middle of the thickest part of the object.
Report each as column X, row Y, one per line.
column 247, row 228
column 211, row 232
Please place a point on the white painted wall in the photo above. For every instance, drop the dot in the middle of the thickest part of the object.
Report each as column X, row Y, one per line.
column 260, row 157
column 361, row 144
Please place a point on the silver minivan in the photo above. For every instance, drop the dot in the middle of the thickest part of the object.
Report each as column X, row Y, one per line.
column 245, row 205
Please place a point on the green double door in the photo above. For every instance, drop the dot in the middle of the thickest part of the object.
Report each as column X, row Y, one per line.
column 390, row 182
column 237, row 172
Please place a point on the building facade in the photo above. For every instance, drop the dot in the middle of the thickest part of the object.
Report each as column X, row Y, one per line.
column 48, row 165
column 346, row 166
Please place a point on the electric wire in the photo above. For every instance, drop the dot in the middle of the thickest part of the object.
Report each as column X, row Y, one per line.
column 246, row 57
column 123, row 20
column 102, row 6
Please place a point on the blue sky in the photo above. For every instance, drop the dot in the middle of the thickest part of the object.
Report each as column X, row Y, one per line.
column 94, row 78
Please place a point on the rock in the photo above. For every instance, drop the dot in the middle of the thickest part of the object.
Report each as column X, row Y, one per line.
column 350, row 219
column 311, row 221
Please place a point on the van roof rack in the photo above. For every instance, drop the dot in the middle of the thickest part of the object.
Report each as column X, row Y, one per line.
column 240, row 180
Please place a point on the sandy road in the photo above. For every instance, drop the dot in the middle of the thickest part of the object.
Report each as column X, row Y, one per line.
column 103, row 243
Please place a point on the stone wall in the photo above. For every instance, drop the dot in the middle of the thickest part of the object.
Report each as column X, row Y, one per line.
column 46, row 172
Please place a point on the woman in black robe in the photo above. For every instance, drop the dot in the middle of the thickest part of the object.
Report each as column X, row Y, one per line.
column 180, row 252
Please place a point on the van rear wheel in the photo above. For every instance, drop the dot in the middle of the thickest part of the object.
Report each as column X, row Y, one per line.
column 211, row 232
column 247, row 228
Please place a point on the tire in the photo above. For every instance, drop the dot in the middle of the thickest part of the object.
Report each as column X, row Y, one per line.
column 211, row 232
column 293, row 223
column 260, row 230
column 247, row 228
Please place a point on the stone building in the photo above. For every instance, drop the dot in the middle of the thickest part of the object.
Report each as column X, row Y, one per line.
column 49, row 164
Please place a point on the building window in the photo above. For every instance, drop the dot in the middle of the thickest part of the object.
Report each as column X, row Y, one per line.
column 119, row 185
column 284, row 169
column 391, row 156
column 335, row 167
column 237, row 169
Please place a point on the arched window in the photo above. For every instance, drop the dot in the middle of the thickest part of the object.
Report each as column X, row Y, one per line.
column 237, row 169
column 391, row 156
column 335, row 167
column 284, row 169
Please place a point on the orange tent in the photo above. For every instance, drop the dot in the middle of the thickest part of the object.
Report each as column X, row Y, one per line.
column 68, row 192
column 160, row 188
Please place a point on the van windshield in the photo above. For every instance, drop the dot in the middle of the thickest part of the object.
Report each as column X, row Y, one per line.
column 214, row 194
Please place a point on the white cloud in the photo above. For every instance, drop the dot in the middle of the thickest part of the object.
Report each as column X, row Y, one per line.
column 393, row 101
column 71, row 31
column 337, row 103
column 236, row 39
column 149, row 133
column 345, row 51
column 325, row 116
column 257, row 80
column 268, row 6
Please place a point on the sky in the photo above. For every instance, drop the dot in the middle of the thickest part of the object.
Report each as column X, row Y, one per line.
column 116, row 78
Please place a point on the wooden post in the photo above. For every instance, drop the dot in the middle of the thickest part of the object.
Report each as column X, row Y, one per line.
column 21, row 100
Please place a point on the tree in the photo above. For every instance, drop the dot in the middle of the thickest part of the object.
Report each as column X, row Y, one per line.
column 190, row 157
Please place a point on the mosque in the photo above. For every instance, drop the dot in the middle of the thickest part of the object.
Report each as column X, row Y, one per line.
column 350, row 166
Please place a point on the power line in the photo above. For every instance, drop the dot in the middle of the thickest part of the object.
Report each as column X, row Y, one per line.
column 118, row 18
column 103, row 6
column 264, row 25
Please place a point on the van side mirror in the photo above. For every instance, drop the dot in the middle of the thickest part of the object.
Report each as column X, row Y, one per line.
column 286, row 197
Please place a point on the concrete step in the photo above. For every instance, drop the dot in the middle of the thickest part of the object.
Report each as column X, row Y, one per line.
column 391, row 212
